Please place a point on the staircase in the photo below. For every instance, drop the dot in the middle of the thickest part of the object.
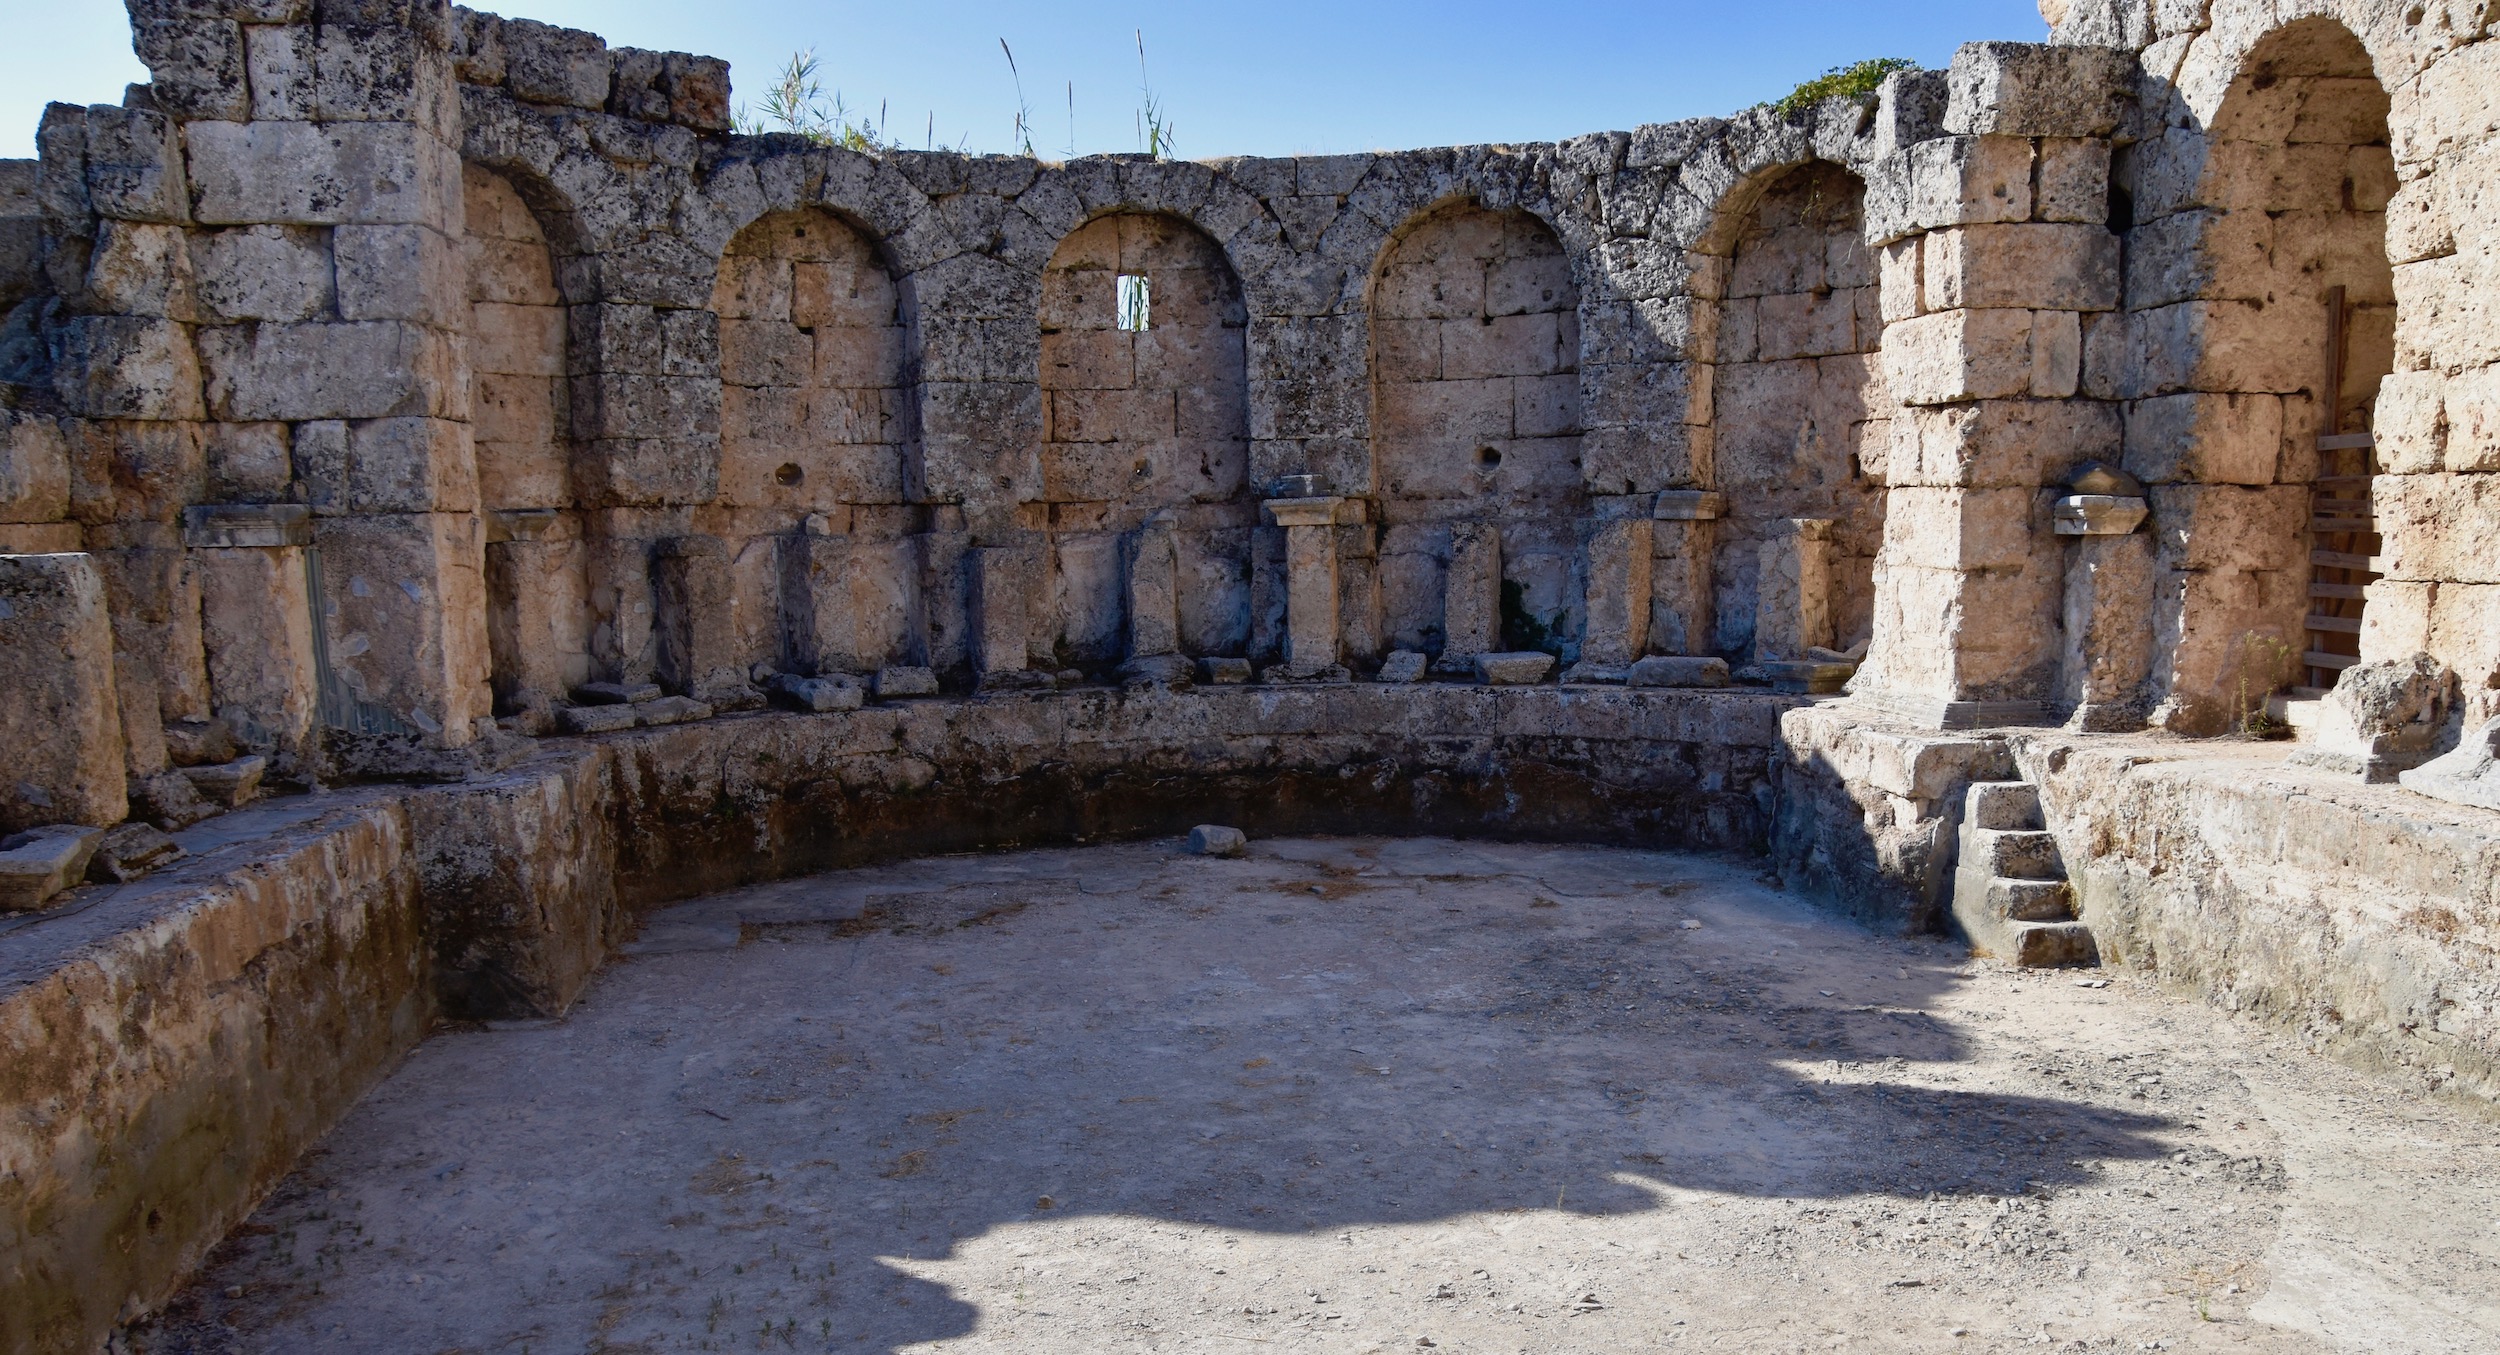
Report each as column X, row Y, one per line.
column 2009, row 889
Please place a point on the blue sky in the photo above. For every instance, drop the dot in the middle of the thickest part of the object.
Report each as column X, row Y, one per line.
column 1279, row 78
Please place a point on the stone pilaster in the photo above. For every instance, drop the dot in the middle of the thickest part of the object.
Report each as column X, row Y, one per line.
column 1313, row 626
column 62, row 719
column 257, row 624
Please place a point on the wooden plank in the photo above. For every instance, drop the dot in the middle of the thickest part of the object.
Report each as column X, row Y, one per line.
column 2346, row 442
column 2332, row 625
column 2351, row 591
column 2342, row 479
column 2335, row 559
column 2340, row 526
column 2342, row 508
column 2308, row 693
column 2320, row 659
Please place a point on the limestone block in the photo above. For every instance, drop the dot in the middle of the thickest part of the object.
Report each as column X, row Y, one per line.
column 248, row 462
column 1515, row 669
column 1960, row 355
column 1950, row 181
column 2214, row 346
column 2106, row 643
column 897, row 682
column 1223, row 672
column 1209, row 839
column 1314, row 634
column 141, row 268
column 595, row 719
column 1681, row 590
column 34, row 469
column 550, row 65
column 820, row 695
column 536, row 621
column 407, row 617
column 2383, row 717
column 1792, row 599
column 1403, row 666
column 615, row 693
column 403, row 272
column 2032, row 265
column 2000, row 443
column 41, row 862
column 313, row 174
column 380, row 72
column 127, row 367
column 2469, row 775
column 671, row 710
column 1001, row 580
column 280, row 273
column 1471, row 605
column 694, row 619
column 2471, row 408
column 1153, row 592
column 2439, row 527
column 197, row 743
column 2020, row 89
column 229, row 785
column 154, row 593
column 2232, row 527
column 257, row 634
column 1618, row 608
column 2100, row 514
column 62, row 720
column 1661, row 670
column 134, row 166
column 2074, row 181
column 2205, row 438
column 368, row 370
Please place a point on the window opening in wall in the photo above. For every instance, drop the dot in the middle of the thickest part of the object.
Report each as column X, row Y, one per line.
column 1134, row 303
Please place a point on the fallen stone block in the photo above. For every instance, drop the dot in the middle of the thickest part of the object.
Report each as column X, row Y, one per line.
column 199, row 743
column 2470, row 775
column 1209, row 839
column 1521, row 669
column 130, row 851
column 1404, row 665
column 1173, row 671
column 1288, row 673
column 168, row 800
column 229, row 785
column 1613, row 674
column 595, row 719
column 41, row 862
column 1015, row 680
column 1678, row 670
column 615, row 693
column 672, row 710
column 905, row 681
column 819, row 695
column 1224, row 672
column 1808, row 676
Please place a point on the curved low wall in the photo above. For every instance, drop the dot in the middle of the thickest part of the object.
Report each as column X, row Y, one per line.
column 169, row 1047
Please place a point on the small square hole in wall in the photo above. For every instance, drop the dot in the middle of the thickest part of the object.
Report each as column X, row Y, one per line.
column 1134, row 304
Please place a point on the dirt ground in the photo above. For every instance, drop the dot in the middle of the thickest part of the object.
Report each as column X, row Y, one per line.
column 1357, row 1095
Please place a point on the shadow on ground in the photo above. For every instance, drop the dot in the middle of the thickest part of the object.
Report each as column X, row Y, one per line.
column 789, row 1095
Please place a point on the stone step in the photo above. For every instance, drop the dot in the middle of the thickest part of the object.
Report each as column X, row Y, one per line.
column 2030, row 900
column 2016, row 853
column 2050, row 945
column 2003, row 806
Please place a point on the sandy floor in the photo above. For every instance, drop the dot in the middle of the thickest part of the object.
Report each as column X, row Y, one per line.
column 1357, row 1095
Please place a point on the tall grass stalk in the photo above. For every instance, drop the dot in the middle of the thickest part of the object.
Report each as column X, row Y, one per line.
column 1154, row 125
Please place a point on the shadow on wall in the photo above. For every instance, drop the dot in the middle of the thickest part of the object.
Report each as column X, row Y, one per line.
column 852, row 1075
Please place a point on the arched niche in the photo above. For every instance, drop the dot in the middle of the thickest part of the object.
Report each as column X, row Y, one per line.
column 2263, row 309
column 1802, row 420
column 538, row 617
column 1476, row 425
column 817, row 437
column 1145, row 450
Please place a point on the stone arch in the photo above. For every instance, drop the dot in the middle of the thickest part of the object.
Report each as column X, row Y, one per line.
column 1476, row 423
column 1145, row 500
column 2262, row 311
column 537, row 595
column 818, row 431
column 1801, row 421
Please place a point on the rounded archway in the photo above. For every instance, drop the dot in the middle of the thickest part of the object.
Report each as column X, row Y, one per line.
column 1476, row 425
column 1146, row 443
column 2263, row 309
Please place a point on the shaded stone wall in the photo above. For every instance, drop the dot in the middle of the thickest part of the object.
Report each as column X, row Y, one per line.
column 1477, row 423
column 1804, row 421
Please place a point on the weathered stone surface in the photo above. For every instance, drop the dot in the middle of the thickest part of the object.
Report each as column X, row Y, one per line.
column 1405, row 665
column 63, row 723
column 1663, row 670
column 41, row 862
column 1513, row 670
column 1213, row 840
column 2467, row 775
column 129, row 852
